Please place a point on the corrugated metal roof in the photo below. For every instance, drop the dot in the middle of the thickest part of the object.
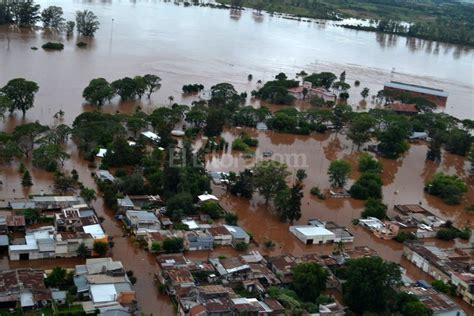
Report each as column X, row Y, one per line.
column 416, row 88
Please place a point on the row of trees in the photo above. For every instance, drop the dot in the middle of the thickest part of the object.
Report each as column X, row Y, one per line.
column 27, row 14
column 100, row 90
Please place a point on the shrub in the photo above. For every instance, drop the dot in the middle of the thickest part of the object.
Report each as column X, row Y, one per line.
column 242, row 246
column 53, row 46
column 450, row 189
column 375, row 208
column 239, row 145
column 369, row 185
column 404, row 236
column 81, row 44
column 212, row 209
column 440, row 286
column 369, row 163
column 231, row 218
column 317, row 192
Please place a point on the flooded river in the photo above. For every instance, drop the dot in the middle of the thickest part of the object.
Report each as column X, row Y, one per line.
column 203, row 45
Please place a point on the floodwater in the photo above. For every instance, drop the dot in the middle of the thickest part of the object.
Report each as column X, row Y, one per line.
column 204, row 45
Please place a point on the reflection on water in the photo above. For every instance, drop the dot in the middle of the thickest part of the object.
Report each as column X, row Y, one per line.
column 204, row 45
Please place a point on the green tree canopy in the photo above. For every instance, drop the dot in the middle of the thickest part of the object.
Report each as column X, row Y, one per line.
column 450, row 189
column 375, row 208
column 21, row 93
column 338, row 172
column 269, row 178
column 370, row 284
column 87, row 23
column 98, row 91
column 309, row 280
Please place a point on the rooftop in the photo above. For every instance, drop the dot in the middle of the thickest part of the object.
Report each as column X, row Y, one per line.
column 310, row 230
column 405, row 108
column 416, row 88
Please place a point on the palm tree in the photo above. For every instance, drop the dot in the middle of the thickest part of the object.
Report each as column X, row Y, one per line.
column 171, row 98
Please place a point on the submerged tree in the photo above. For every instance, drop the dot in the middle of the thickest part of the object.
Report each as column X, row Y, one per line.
column 26, row 180
column 270, row 178
column 87, row 23
column 98, row 91
column 21, row 93
column 338, row 172
column 52, row 17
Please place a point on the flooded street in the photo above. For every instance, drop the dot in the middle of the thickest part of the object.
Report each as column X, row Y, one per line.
column 204, row 45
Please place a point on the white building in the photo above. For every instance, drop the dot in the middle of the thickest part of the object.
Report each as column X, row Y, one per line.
column 310, row 235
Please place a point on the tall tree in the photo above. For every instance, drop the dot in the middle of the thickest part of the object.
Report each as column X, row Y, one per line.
column 370, row 285
column 152, row 83
column 342, row 114
column 87, row 23
column 26, row 180
column 338, row 172
column 270, row 178
column 49, row 156
column 88, row 195
column 21, row 93
column 126, row 88
column 98, row 91
column 365, row 93
column 360, row 129
column 393, row 139
column 52, row 17
column 309, row 280
column 288, row 202
column 27, row 135
column 25, row 13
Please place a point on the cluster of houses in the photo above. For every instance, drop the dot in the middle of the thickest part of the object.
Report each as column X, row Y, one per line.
column 308, row 91
column 153, row 226
column 452, row 266
column 239, row 285
column 411, row 218
column 102, row 285
column 60, row 226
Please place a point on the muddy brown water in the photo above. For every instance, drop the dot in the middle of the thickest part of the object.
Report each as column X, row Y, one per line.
column 202, row 45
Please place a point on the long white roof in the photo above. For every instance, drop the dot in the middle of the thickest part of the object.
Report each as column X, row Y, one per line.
column 416, row 88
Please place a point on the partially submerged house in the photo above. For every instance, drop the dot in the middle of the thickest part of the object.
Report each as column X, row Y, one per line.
column 23, row 287
column 310, row 234
column 141, row 222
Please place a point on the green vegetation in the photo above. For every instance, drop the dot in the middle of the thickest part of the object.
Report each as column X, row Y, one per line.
column 450, row 189
column 309, row 280
column 338, row 172
column 101, row 248
column 317, row 192
column 26, row 180
column 19, row 94
column 404, row 236
column 173, row 245
column 431, row 20
column 370, row 285
column 375, row 208
column 276, row 91
column 367, row 163
column 369, row 185
column 192, row 88
column 53, row 46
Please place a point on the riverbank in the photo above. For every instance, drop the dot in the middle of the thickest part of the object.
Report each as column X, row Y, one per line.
column 425, row 20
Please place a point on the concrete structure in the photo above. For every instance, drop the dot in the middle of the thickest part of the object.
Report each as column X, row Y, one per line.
column 384, row 230
column 149, row 135
column 439, row 303
column 105, row 175
column 221, row 235
column 141, row 222
column 238, row 235
column 298, row 92
column 198, row 240
column 437, row 96
column 310, row 234
column 464, row 283
column 207, row 197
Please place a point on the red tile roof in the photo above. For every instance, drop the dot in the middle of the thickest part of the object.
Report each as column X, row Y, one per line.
column 405, row 108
